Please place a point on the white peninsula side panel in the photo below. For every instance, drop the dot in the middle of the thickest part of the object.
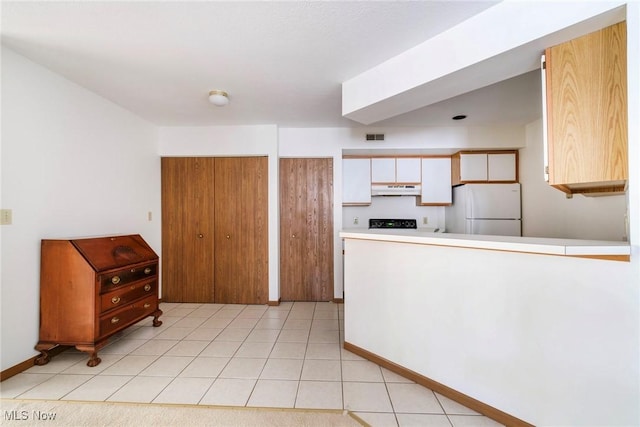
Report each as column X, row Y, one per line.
column 552, row 340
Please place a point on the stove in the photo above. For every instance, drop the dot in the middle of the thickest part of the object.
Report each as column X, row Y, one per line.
column 393, row 223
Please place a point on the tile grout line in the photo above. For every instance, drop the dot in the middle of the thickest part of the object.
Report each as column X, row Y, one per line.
column 158, row 358
column 265, row 363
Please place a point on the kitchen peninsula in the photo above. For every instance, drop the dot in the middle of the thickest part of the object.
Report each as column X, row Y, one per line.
column 525, row 330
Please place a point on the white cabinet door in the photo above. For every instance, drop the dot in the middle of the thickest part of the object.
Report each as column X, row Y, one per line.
column 473, row 167
column 408, row 170
column 356, row 181
column 436, row 181
column 383, row 170
column 502, row 167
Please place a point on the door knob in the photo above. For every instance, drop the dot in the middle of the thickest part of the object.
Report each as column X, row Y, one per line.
column 228, row 236
column 293, row 236
column 200, row 236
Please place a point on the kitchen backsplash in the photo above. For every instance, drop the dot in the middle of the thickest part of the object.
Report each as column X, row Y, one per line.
column 403, row 207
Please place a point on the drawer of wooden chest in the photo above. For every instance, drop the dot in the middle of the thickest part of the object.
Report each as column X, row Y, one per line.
column 128, row 314
column 125, row 294
column 112, row 280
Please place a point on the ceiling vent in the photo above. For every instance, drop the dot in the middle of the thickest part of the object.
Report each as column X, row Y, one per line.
column 375, row 137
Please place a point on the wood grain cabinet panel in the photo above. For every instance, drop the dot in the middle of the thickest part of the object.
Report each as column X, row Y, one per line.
column 306, row 229
column 586, row 104
column 92, row 288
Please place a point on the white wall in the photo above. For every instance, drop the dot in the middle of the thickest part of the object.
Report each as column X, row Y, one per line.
column 234, row 141
column 546, row 212
column 73, row 165
column 633, row 100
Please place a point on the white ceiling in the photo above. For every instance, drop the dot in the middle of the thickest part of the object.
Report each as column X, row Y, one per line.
column 281, row 62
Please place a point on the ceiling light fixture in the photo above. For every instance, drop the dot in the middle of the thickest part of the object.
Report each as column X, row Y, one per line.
column 219, row 98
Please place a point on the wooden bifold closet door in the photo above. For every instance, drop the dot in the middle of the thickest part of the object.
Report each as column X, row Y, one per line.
column 306, row 229
column 187, row 229
column 214, row 230
column 241, row 230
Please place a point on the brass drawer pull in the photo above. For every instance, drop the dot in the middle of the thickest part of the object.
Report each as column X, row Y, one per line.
column 115, row 300
column 147, row 287
column 115, row 280
column 147, row 270
column 115, row 320
column 147, row 305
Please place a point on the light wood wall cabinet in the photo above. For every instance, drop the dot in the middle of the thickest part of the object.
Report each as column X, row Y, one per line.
column 356, row 181
column 395, row 170
column 90, row 289
column 214, row 230
column 436, row 182
column 484, row 167
column 586, row 112
column 306, row 229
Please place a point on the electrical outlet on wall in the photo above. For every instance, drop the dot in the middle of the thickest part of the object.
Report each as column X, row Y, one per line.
column 425, row 220
column 355, row 220
column 6, row 217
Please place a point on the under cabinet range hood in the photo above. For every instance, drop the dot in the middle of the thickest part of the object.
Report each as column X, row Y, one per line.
column 395, row 190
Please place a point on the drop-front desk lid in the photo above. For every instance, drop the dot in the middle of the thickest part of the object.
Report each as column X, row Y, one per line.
column 106, row 253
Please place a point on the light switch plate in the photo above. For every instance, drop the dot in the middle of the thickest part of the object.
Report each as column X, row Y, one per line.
column 5, row 217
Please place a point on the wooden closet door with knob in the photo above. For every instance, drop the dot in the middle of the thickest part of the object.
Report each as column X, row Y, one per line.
column 187, row 229
column 241, row 230
column 306, row 229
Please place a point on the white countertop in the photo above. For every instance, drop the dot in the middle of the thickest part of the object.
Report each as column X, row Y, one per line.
column 550, row 246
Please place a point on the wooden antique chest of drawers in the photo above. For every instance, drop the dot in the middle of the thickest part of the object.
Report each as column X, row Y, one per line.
column 93, row 288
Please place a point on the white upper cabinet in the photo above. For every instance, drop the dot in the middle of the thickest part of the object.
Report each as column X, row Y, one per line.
column 501, row 166
column 391, row 170
column 356, row 181
column 383, row 170
column 436, row 181
column 495, row 166
column 408, row 170
column 473, row 167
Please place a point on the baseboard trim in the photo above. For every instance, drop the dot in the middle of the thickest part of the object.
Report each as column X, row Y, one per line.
column 338, row 300
column 23, row 366
column 463, row 399
column 274, row 303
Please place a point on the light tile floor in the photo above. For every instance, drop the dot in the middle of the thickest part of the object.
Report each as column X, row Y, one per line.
column 289, row 356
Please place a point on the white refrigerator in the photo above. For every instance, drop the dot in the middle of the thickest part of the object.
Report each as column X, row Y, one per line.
column 492, row 209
